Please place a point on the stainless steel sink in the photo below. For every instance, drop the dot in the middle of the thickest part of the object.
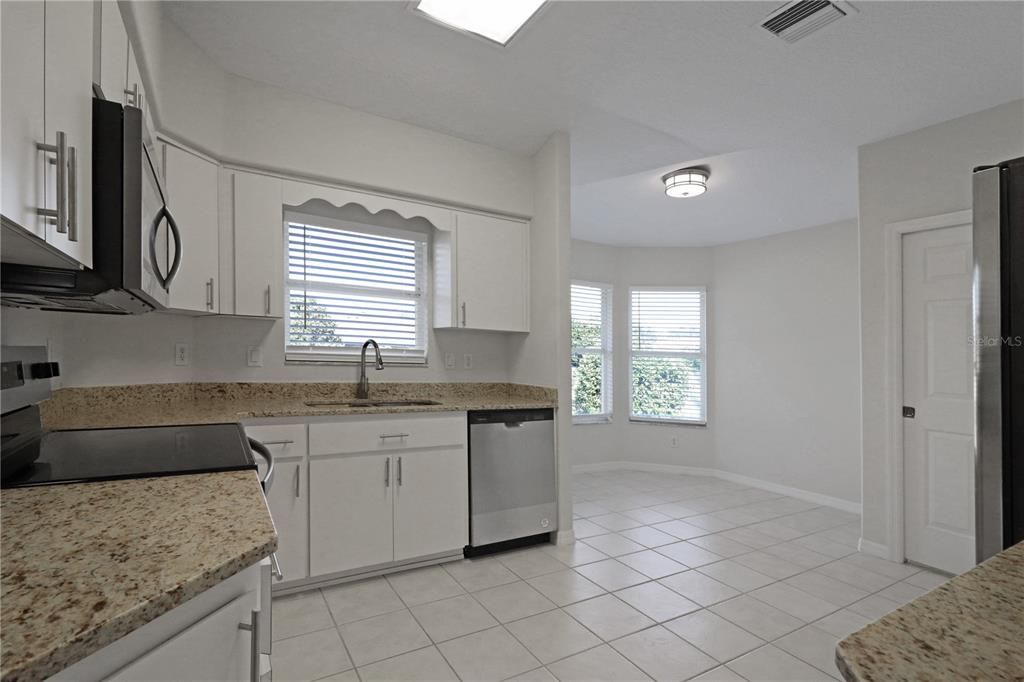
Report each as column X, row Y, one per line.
column 370, row 403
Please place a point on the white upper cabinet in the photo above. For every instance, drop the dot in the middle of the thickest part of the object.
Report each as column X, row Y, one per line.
column 113, row 52
column 190, row 191
column 47, row 100
column 258, row 236
column 482, row 274
column 68, row 111
column 24, row 166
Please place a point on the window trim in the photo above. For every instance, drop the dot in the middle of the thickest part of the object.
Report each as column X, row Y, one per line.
column 351, row 356
column 703, row 356
column 607, row 350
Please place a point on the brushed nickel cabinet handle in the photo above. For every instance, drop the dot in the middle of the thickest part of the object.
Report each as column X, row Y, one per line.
column 60, row 151
column 132, row 96
column 266, row 300
column 209, row 295
column 385, row 436
column 399, row 472
column 298, row 493
column 275, row 567
column 72, row 183
column 463, row 313
column 253, row 628
column 387, row 472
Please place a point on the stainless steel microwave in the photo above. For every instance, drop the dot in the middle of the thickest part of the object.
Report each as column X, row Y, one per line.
column 137, row 248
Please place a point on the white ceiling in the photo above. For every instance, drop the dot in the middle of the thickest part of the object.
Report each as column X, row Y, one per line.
column 646, row 87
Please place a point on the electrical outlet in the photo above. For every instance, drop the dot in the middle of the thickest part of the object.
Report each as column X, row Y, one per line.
column 449, row 360
column 467, row 361
column 675, row 442
column 182, row 355
column 254, row 356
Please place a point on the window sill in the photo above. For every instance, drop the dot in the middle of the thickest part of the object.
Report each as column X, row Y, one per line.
column 293, row 359
column 668, row 422
column 592, row 419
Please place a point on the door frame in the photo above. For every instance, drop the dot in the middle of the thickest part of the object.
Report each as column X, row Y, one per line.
column 893, row 370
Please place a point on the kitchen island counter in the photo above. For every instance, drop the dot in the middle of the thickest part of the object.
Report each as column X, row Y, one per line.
column 85, row 564
column 969, row 628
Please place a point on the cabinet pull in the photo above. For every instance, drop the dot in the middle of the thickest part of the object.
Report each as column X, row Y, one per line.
column 463, row 313
column 275, row 567
column 399, row 472
column 253, row 627
column 209, row 296
column 385, row 436
column 387, row 472
column 266, row 300
column 277, row 442
column 72, row 194
column 297, row 491
column 132, row 96
column 60, row 150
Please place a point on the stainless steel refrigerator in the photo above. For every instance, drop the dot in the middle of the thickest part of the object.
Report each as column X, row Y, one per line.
column 999, row 355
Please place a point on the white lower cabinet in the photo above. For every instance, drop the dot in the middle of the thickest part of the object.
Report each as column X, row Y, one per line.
column 350, row 512
column 431, row 502
column 215, row 648
column 396, row 488
column 288, row 499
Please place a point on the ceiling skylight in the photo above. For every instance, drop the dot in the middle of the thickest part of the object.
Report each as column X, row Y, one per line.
column 495, row 20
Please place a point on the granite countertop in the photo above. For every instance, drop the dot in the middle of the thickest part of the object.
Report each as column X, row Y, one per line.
column 83, row 565
column 970, row 628
column 210, row 403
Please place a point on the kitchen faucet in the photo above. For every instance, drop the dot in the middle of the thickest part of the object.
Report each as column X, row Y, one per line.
column 363, row 390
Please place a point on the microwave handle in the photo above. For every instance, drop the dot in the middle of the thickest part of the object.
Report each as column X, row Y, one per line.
column 165, row 281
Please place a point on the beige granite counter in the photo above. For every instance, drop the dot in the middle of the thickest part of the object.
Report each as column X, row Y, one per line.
column 210, row 403
column 970, row 628
column 85, row 564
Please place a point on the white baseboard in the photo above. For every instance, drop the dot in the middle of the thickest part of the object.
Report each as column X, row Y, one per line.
column 798, row 493
column 874, row 548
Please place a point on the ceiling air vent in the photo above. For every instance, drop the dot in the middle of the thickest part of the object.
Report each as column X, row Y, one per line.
column 796, row 20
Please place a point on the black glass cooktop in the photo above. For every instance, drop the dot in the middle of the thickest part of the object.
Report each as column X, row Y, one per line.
column 110, row 454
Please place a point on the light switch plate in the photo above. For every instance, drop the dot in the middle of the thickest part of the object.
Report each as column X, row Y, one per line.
column 449, row 360
column 467, row 361
column 182, row 355
column 254, row 356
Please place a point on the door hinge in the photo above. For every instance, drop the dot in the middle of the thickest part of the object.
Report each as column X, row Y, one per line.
column 908, row 412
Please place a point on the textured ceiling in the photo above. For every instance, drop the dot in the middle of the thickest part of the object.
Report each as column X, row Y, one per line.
column 645, row 87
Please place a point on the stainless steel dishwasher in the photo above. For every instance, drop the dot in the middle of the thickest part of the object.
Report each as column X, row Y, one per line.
column 512, row 496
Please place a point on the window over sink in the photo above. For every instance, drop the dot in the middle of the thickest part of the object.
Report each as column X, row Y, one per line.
column 348, row 282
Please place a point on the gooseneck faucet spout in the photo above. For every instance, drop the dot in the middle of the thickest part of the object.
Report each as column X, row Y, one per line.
column 363, row 389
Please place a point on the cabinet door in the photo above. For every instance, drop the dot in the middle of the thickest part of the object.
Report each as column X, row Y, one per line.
column 139, row 97
column 431, row 502
column 288, row 497
column 191, row 194
column 24, row 167
column 113, row 52
column 258, row 242
column 492, row 272
column 350, row 512
column 215, row 648
column 68, row 108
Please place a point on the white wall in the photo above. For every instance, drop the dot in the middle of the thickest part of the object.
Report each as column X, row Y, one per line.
column 783, row 359
column 785, row 331
column 919, row 174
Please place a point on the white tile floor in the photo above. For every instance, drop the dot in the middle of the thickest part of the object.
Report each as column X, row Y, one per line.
column 672, row 578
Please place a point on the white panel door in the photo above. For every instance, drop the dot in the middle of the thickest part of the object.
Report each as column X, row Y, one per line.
column 288, row 498
column 493, row 273
column 113, row 52
column 938, row 442
column 215, row 648
column 350, row 512
column 431, row 502
column 68, row 108
column 192, row 196
column 24, row 167
column 259, row 237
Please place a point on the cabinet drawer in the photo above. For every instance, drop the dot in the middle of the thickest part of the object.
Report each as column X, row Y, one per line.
column 283, row 440
column 386, row 433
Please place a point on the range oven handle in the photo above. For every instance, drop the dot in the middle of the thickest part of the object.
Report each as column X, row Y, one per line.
column 261, row 449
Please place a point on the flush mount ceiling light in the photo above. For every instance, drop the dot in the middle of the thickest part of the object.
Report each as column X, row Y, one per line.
column 494, row 20
column 686, row 182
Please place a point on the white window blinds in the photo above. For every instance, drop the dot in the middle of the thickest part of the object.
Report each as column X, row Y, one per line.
column 348, row 283
column 591, row 360
column 668, row 355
